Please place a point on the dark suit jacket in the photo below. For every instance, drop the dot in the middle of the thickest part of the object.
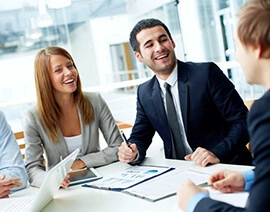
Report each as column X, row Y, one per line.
column 214, row 115
column 259, row 130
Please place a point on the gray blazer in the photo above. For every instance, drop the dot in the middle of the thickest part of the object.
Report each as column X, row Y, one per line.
column 37, row 141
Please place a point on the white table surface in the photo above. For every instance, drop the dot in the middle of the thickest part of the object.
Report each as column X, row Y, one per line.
column 77, row 198
column 89, row 199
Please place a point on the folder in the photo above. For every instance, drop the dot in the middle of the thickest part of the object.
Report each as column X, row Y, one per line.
column 129, row 177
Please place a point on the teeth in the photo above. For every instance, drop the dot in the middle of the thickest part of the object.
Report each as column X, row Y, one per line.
column 69, row 81
column 162, row 56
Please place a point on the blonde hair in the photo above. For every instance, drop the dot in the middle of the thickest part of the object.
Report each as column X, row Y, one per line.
column 254, row 24
column 48, row 110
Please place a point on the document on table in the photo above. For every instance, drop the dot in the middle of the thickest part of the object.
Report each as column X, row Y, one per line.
column 216, row 167
column 237, row 199
column 129, row 177
column 165, row 185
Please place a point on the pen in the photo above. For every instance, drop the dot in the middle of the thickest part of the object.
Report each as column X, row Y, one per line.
column 205, row 184
column 124, row 138
column 16, row 183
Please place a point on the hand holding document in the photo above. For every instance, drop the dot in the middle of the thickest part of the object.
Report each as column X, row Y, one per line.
column 154, row 183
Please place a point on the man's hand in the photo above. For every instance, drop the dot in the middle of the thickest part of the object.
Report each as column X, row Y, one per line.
column 7, row 184
column 187, row 190
column 202, row 157
column 227, row 181
column 127, row 154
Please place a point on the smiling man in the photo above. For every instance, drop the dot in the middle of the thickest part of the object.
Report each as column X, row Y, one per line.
column 201, row 117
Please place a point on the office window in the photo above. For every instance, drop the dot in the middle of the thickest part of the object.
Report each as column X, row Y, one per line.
column 96, row 33
column 26, row 26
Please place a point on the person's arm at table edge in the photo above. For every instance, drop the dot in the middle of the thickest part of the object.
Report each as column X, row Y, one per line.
column 248, row 176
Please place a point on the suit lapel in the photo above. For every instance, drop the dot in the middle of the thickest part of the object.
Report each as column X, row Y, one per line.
column 62, row 146
column 183, row 91
column 85, row 133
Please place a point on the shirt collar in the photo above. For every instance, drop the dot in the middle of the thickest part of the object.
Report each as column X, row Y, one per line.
column 172, row 79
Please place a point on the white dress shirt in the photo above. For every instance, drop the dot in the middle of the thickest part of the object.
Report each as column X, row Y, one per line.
column 173, row 82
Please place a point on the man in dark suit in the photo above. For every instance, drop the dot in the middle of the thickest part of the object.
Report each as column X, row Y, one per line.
column 253, row 53
column 209, row 111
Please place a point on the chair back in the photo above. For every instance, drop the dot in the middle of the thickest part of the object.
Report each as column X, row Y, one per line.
column 20, row 139
column 248, row 104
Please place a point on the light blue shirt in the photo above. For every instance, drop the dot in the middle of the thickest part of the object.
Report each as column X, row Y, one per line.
column 11, row 161
column 249, row 179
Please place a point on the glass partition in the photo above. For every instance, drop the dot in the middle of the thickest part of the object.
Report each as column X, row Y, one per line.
column 96, row 33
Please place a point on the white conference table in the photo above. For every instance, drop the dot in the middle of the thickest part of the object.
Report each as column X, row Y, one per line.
column 77, row 198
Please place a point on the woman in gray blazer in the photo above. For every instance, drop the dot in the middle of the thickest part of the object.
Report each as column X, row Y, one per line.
column 65, row 118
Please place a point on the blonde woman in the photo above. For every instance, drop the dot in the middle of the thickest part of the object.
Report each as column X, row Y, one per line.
column 65, row 118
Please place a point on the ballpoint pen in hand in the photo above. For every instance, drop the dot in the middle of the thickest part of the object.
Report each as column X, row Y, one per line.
column 205, row 184
column 124, row 138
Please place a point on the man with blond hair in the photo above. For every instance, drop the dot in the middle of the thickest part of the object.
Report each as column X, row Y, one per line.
column 253, row 53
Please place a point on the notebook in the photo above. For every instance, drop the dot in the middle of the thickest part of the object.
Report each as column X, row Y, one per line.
column 48, row 189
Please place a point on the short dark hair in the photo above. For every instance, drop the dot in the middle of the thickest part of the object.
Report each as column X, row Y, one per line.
column 145, row 24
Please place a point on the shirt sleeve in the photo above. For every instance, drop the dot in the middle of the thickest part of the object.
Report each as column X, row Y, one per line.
column 249, row 179
column 248, row 176
column 11, row 161
column 195, row 199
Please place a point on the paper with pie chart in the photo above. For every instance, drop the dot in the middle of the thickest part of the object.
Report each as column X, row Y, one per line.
column 129, row 177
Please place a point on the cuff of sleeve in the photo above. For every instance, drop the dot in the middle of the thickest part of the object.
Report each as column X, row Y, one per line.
column 249, row 179
column 136, row 160
column 195, row 199
column 137, row 157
